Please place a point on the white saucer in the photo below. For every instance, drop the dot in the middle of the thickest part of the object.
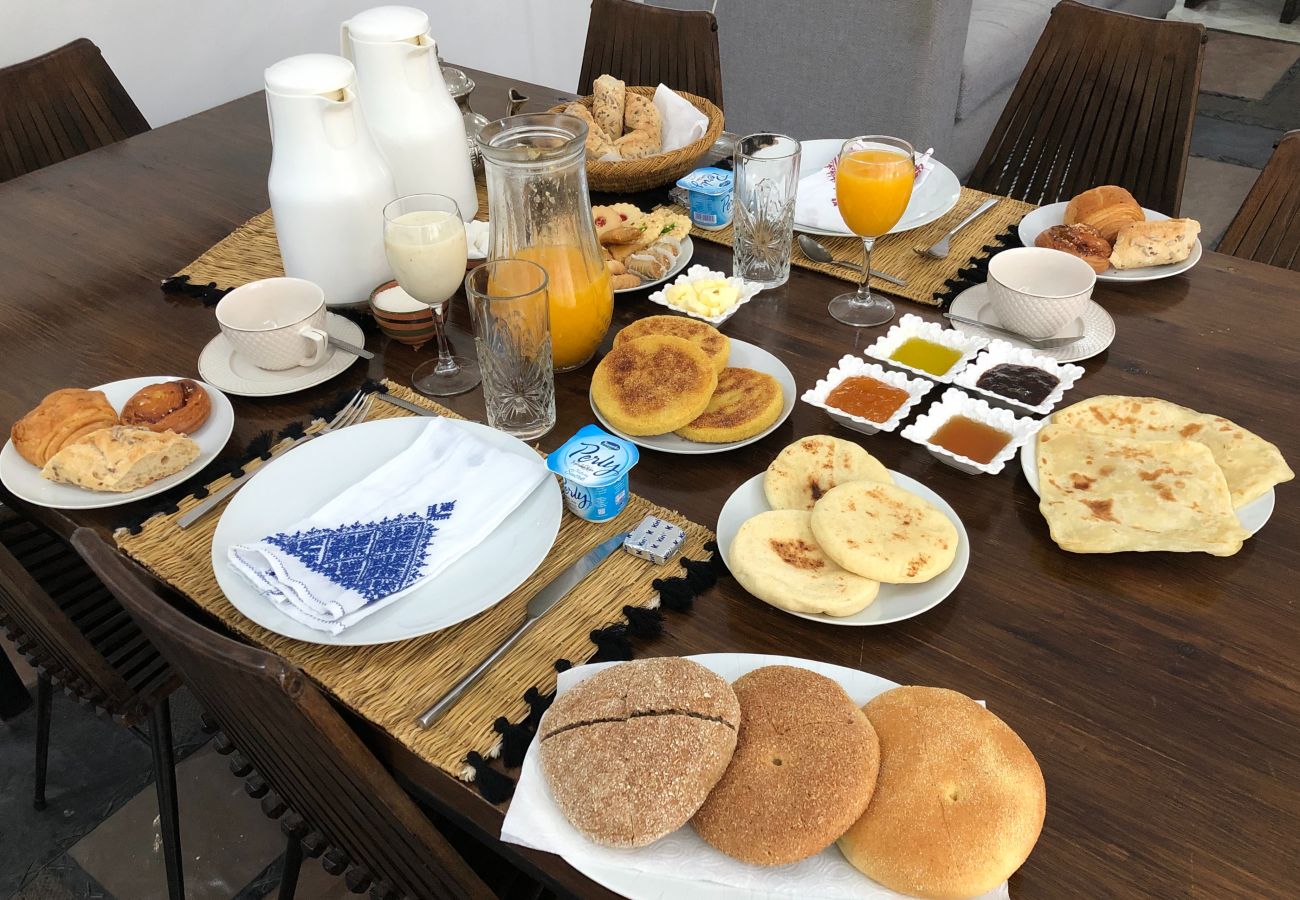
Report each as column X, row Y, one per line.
column 1097, row 326
column 222, row 366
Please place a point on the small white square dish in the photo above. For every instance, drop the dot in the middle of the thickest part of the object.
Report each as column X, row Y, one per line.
column 911, row 326
column 959, row 403
column 850, row 366
column 745, row 289
column 1000, row 353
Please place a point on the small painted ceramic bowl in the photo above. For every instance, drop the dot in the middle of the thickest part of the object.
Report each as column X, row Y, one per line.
column 401, row 316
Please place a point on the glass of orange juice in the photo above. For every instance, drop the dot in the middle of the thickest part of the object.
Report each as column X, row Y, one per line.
column 873, row 183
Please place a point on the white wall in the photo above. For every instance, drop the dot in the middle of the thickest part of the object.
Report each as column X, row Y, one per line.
column 177, row 57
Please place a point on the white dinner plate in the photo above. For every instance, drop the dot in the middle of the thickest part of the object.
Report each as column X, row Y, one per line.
column 895, row 602
column 25, row 480
column 1252, row 516
column 221, row 365
column 683, row 258
column 292, row 487
column 1039, row 220
column 743, row 355
column 675, row 867
column 1097, row 326
column 933, row 200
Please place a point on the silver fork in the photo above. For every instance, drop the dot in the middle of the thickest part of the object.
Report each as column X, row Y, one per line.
column 354, row 411
column 940, row 249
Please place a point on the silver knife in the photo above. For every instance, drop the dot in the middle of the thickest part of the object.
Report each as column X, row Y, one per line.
column 350, row 348
column 405, row 404
column 542, row 601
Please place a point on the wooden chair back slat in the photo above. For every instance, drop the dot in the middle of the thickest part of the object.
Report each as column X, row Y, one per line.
column 59, row 105
column 646, row 45
column 296, row 740
column 1267, row 226
column 1106, row 98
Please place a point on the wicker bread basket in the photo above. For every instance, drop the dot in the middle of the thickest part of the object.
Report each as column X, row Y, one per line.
column 633, row 175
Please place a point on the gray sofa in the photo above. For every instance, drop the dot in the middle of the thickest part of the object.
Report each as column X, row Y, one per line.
column 935, row 72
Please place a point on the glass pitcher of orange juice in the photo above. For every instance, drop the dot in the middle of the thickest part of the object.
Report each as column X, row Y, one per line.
column 539, row 210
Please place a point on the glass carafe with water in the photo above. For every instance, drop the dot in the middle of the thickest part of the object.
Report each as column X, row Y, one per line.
column 540, row 211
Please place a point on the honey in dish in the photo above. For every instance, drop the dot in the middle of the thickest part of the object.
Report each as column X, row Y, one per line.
column 974, row 440
column 870, row 398
column 927, row 356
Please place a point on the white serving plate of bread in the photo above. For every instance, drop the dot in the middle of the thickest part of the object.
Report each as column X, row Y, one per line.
column 26, row 482
column 1043, row 218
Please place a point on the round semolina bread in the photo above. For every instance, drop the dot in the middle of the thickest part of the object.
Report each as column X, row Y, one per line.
column 653, row 385
column 803, row 771
column 804, row 471
column 959, row 803
column 745, row 402
column 884, row 533
column 775, row 557
column 715, row 344
column 631, row 753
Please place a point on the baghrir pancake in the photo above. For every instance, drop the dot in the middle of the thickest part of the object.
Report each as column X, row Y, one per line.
column 804, row 471
column 653, row 385
column 715, row 344
column 745, row 402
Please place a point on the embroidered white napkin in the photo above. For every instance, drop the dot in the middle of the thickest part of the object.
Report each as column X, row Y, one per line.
column 815, row 206
column 533, row 820
column 392, row 531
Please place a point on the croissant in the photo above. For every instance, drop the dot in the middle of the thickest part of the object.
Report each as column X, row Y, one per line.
column 180, row 406
column 63, row 417
column 1107, row 208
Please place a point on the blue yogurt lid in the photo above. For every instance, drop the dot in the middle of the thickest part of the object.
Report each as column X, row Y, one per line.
column 593, row 457
column 710, row 180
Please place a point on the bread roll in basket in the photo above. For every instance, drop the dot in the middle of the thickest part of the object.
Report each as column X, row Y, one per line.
column 632, row 175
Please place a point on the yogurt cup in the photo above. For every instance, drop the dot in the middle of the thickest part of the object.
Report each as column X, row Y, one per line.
column 593, row 467
column 710, row 191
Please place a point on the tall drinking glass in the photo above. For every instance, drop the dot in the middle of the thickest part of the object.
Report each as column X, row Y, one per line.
column 873, row 183
column 767, row 179
column 508, row 301
column 424, row 238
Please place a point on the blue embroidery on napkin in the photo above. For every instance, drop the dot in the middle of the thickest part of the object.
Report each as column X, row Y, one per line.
column 375, row 559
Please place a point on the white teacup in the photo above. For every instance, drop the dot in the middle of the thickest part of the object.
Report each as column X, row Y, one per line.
column 276, row 323
column 1036, row 291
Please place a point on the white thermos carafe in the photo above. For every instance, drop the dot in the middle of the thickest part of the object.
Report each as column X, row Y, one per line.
column 328, row 183
column 412, row 117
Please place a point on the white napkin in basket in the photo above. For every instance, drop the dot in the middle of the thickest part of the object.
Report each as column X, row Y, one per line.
column 814, row 205
column 683, row 124
column 390, row 532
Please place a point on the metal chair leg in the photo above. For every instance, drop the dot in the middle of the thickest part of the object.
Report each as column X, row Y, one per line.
column 164, row 770
column 292, row 864
column 44, row 698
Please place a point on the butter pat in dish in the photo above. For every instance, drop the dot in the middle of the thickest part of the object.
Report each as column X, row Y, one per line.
column 593, row 467
column 655, row 540
column 706, row 295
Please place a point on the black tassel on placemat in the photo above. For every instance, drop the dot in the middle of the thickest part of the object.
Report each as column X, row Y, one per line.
column 208, row 293
column 496, row 787
column 643, row 622
column 612, row 644
column 514, row 740
column 976, row 270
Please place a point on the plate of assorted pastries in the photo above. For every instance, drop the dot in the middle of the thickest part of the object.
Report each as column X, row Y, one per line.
column 741, row 775
column 642, row 249
column 827, row 533
column 679, row 385
column 1110, row 231
column 115, row 443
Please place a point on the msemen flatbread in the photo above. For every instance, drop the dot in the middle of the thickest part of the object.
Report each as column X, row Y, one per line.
column 804, row 471
column 745, row 402
column 884, row 533
column 1106, row 494
column 775, row 557
column 1250, row 464
column 653, row 385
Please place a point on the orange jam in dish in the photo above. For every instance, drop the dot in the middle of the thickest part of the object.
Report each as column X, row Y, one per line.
column 974, row 440
column 870, row 398
column 926, row 356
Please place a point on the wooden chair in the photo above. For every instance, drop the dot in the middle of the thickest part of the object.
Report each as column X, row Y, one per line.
column 1106, row 98
column 332, row 796
column 59, row 105
column 76, row 635
column 1267, row 227
column 646, row 45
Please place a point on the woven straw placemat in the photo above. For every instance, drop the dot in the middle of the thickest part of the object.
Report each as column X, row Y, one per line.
column 895, row 255
column 390, row 684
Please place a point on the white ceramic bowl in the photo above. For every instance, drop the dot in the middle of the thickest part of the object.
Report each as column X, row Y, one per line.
column 1036, row 291
column 850, row 366
column 1000, row 352
column 911, row 326
column 959, row 403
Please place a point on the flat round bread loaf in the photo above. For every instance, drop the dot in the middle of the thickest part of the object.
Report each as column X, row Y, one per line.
column 715, row 344
column 959, row 803
column 631, row 753
column 804, row 471
column 884, row 533
column 744, row 403
column 803, row 771
column 653, row 385
column 775, row 557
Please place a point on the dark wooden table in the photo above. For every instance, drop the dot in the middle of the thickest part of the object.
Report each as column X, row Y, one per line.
column 1159, row 691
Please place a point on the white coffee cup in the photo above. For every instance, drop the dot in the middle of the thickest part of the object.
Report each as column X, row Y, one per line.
column 1037, row 291
column 276, row 323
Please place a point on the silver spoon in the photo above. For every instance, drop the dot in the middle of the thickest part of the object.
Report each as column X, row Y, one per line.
column 818, row 253
column 940, row 248
column 1042, row 343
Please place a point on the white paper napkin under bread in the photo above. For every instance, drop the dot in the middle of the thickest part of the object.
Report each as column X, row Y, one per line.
column 534, row 820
